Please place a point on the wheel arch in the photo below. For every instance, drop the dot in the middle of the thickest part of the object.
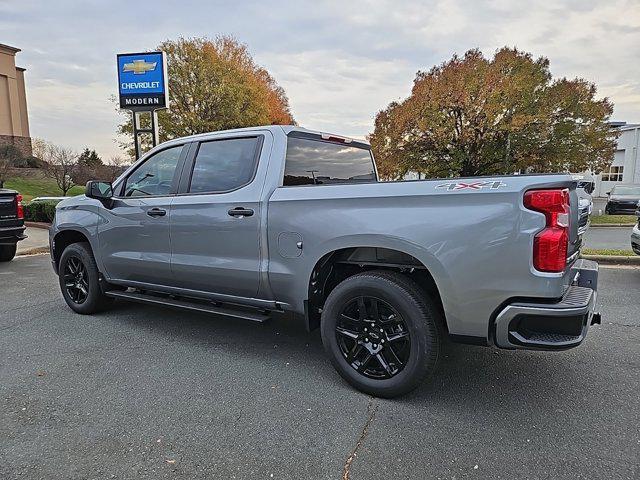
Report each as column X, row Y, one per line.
column 335, row 265
column 63, row 239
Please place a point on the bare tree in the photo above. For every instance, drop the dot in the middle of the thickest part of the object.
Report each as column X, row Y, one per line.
column 117, row 164
column 39, row 147
column 4, row 170
column 9, row 156
column 60, row 165
column 5, row 165
column 119, row 161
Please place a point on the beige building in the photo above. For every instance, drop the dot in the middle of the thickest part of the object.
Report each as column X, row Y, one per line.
column 14, row 122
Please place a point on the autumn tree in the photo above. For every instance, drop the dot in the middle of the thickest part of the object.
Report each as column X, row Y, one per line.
column 477, row 116
column 215, row 85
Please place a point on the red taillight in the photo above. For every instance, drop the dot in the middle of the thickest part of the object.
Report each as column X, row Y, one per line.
column 550, row 245
column 19, row 207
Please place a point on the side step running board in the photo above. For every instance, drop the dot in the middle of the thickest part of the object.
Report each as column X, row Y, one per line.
column 188, row 305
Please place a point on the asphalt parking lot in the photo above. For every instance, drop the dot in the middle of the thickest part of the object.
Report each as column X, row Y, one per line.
column 144, row 392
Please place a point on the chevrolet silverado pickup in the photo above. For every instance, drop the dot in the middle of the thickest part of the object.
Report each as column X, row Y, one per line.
column 11, row 223
column 254, row 221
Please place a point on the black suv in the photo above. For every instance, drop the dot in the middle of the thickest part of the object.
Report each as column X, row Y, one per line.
column 623, row 199
column 11, row 223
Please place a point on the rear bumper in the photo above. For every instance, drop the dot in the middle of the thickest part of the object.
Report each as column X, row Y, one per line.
column 10, row 235
column 540, row 325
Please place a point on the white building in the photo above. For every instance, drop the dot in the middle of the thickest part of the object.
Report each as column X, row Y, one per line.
column 625, row 167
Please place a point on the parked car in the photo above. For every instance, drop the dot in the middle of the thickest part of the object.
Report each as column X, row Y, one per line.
column 47, row 199
column 254, row 221
column 635, row 233
column 11, row 223
column 623, row 199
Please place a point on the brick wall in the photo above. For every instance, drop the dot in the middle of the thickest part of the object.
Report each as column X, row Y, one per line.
column 21, row 143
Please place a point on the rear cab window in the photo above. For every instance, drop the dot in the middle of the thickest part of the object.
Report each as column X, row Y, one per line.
column 313, row 159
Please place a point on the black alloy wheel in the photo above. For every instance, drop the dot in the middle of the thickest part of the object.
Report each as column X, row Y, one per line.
column 381, row 332
column 76, row 280
column 79, row 279
column 373, row 337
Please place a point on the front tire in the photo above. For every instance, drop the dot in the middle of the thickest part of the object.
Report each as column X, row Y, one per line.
column 7, row 252
column 79, row 279
column 380, row 331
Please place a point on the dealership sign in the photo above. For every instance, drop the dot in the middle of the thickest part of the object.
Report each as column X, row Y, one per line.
column 142, row 81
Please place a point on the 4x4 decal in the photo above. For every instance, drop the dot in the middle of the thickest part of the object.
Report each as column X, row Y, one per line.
column 491, row 184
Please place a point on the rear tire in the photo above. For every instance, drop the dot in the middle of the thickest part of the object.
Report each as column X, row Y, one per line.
column 7, row 252
column 79, row 279
column 394, row 345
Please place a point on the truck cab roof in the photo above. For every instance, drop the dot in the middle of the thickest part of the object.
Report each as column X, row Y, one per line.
column 287, row 129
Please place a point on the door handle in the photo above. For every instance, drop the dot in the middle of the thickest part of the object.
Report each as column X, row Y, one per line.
column 240, row 212
column 156, row 212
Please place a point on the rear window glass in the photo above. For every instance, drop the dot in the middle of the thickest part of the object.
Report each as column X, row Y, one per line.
column 626, row 190
column 314, row 162
column 224, row 165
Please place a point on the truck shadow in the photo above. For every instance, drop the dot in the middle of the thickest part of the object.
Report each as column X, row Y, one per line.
column 466, row 375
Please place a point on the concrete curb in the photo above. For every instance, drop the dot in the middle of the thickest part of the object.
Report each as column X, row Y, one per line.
column 612, row 225
column 614, row 259
column 33, row 251
column 44, row 226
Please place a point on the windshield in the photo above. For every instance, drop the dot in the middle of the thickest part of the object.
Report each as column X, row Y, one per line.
column 625, row 190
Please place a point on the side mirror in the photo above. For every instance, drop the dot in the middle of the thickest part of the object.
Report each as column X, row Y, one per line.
column 102, row 191
column 608, row 193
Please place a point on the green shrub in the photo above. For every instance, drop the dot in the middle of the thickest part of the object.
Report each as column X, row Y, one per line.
column 42, row 211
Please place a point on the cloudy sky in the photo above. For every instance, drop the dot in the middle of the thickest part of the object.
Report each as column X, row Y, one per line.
column 339, row 61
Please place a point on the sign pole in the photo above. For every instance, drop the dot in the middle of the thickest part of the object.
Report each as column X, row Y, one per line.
column 154, row 127
column 135, row 133
column 138, row 130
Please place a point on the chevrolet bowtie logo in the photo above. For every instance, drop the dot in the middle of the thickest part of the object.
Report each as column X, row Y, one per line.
column 138, row 67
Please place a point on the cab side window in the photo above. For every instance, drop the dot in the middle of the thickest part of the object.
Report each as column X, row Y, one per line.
column 224, row 165
column 155, row 176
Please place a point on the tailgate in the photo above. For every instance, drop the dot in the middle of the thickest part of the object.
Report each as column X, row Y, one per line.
column 8, row 209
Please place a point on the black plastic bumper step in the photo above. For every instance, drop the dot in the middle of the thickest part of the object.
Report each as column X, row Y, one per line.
column 184, row 304
column 547, row 337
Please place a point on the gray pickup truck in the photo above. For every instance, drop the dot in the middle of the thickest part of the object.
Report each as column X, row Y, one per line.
column 269, row 219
